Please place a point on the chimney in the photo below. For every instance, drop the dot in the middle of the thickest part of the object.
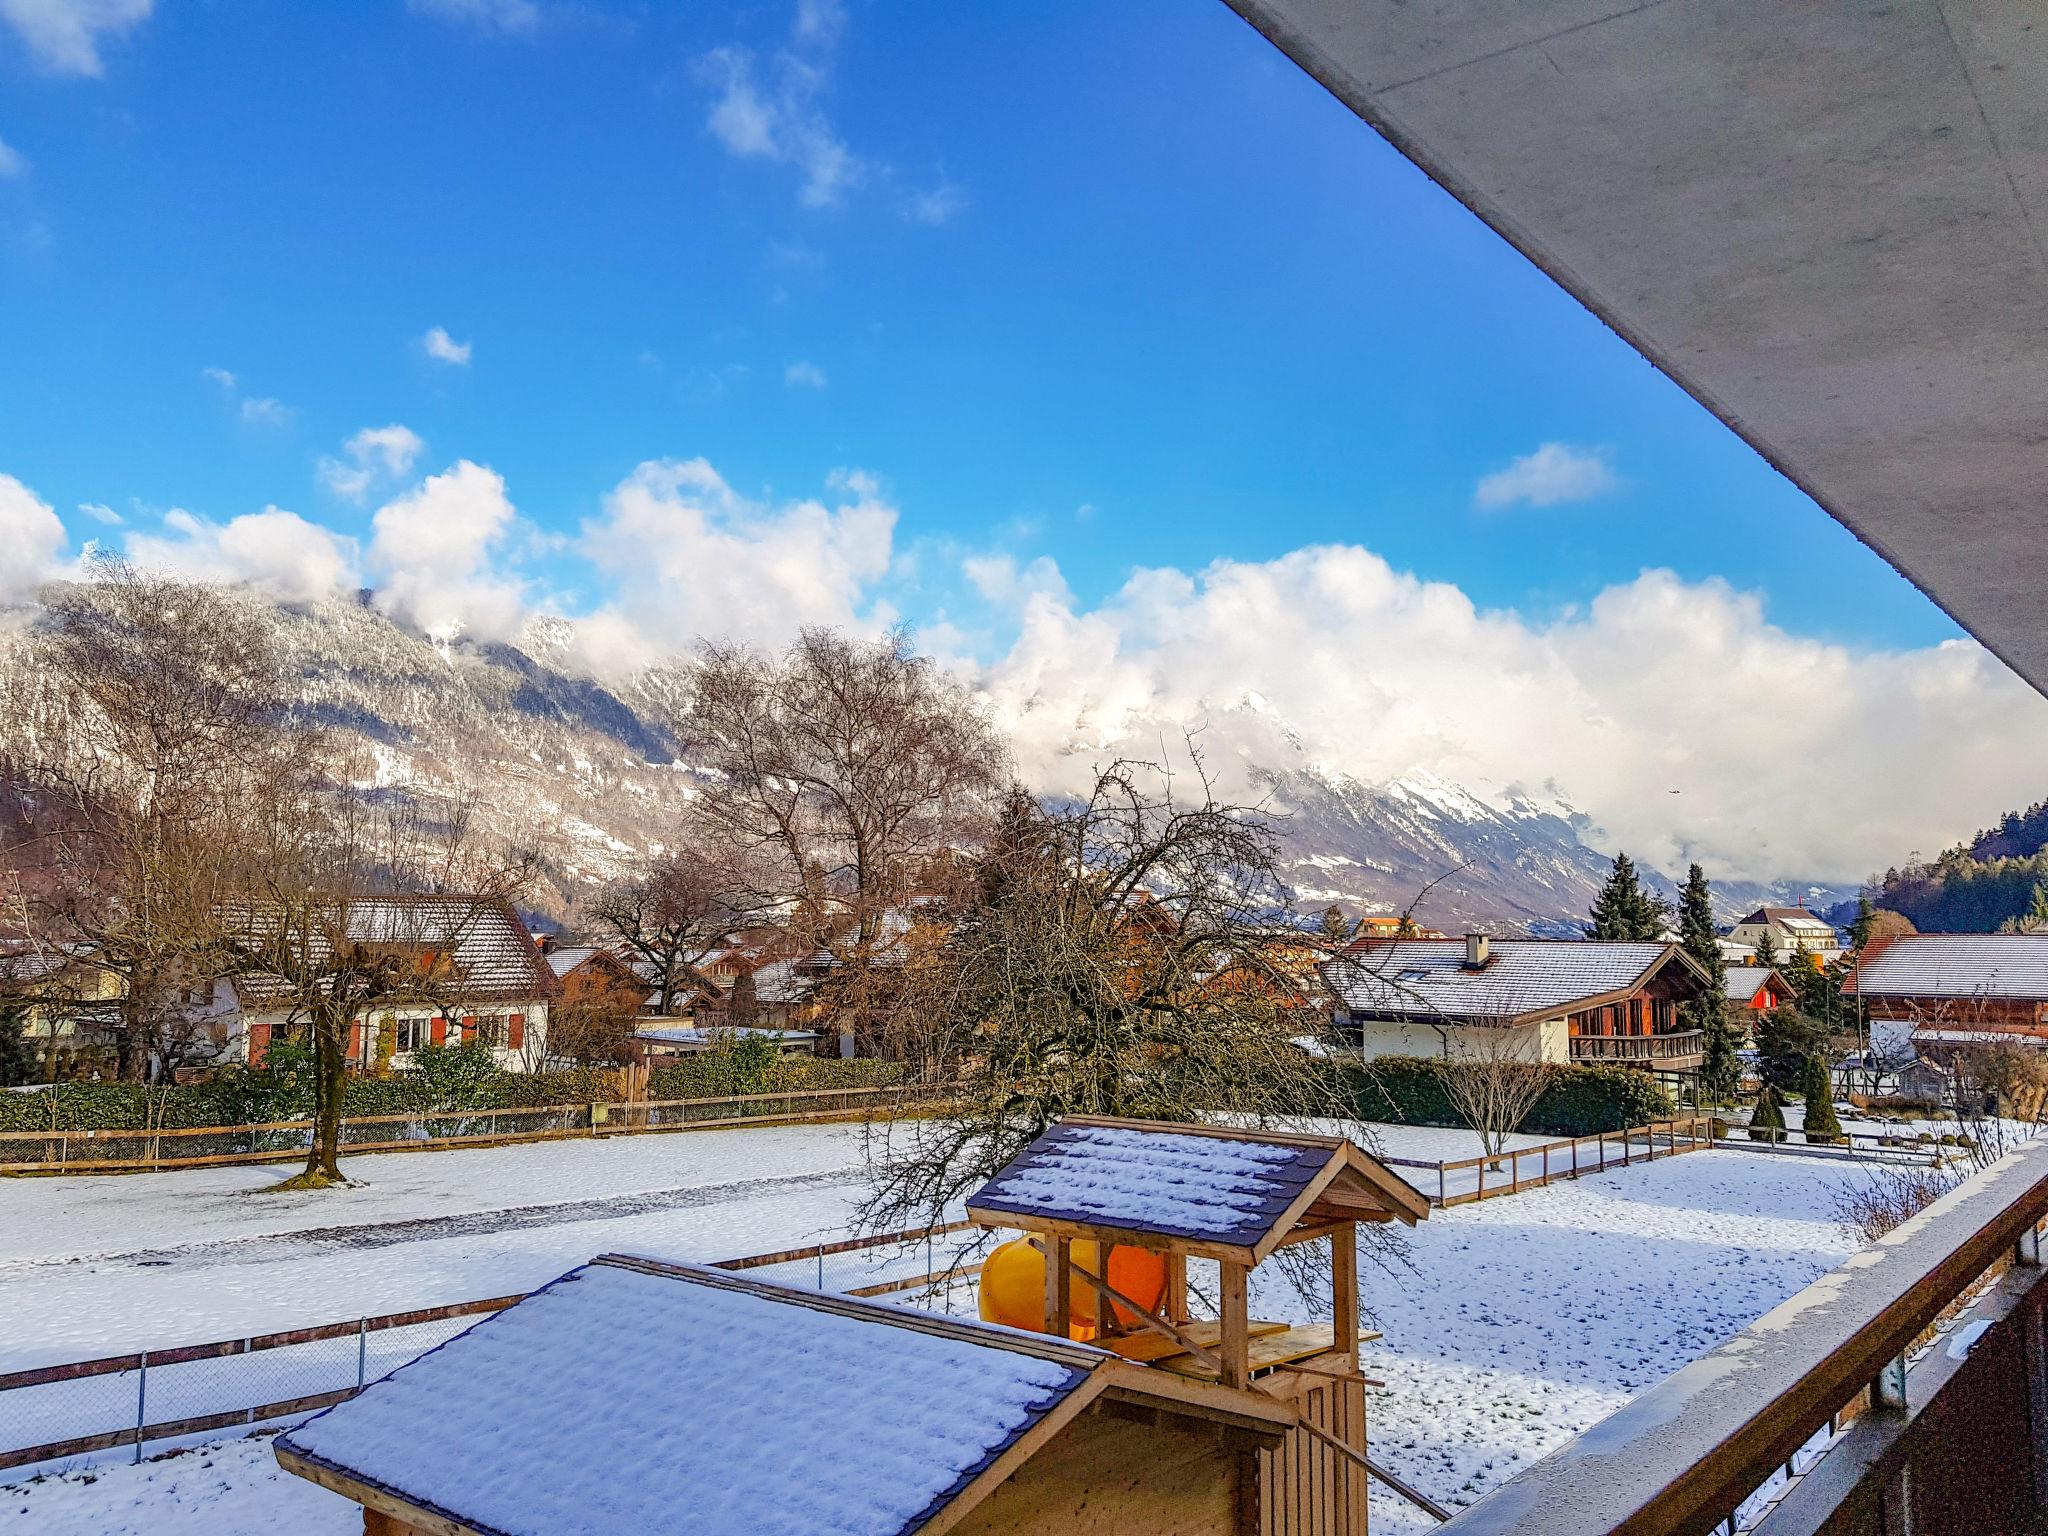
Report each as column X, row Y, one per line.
column 545, row 942
column 1477, row 951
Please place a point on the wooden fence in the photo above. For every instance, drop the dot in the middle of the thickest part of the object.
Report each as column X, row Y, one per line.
column 102, row 1151
column 143, row 1362
column 1533, row 1167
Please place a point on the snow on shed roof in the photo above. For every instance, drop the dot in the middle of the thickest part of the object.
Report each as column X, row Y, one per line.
column 523, row 1425
column 1745, row 981
column 1428, row 978
column 1955, row 965
column 1231, row 1189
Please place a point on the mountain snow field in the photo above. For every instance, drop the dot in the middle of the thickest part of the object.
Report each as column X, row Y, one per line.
column 1509, row 1325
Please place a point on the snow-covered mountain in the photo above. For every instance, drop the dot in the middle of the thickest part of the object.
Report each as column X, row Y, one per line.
column 590, row 777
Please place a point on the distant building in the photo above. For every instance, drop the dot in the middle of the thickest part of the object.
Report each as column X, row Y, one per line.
column 590, row 974
column 1565, row 1000
column 1790, row 930
column 1940, row 993
column 1757, row 988
column 481, row 977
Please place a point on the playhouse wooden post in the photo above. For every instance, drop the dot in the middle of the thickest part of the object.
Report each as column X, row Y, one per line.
column 1059, row 1286
column 1344, row 1290
column 1236, row 1346
column 1175, row 1309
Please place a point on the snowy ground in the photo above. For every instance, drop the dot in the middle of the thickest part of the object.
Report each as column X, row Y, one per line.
column 1515, row 1324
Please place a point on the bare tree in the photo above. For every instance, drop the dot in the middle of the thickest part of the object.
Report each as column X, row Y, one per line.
column 1494, row 1076
column 849, row 766
column 160, row 712
column 684, row 908
column 1077, row 977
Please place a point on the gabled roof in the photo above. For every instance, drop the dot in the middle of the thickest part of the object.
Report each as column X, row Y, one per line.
column 1960, row 966
column 1789, row 917
column 522, row 1426
column 1522, row 979
column 1745, row 981
column 1223, row 1193
column 491, row 956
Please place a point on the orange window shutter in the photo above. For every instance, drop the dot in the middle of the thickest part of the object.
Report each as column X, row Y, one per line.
column 259, row 1043
column 515, row 1031
column 468, row 1026
column 439, row 1030
column 355, row 1040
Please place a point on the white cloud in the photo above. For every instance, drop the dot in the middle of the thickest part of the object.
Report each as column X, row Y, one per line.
column 375, row 455
column 691, row 557
column 819, row 23
column 1554, row 473
column 511, row 17
column 434, row 553
column 12, row 161
column 803, row 375
column 100, row 512
column 31, row 534
column 779, row 121
column 443, row 348
column 251, row 410
column 934, row 205
column 64, row 36
column 1792, row 756
column 1002, row 581
column 279, row 552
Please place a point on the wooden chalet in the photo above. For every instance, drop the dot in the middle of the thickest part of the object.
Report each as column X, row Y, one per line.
column 1944, row 993
column 1227, row 1427
column 1565, row 1000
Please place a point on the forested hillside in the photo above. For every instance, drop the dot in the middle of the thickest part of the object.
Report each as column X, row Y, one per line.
column 1999, row 877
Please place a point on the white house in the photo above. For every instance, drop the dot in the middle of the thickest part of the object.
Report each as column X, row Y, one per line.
column 482, row 977
column 1791, row 929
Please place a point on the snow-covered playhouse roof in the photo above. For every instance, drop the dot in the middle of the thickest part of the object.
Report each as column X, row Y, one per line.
column 632, row 1395
column 1216, row 1192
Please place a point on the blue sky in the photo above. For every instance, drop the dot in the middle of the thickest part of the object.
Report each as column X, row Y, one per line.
column 1171, row 281
column 1097, row 342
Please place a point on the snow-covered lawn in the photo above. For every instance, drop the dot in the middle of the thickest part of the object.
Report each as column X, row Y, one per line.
column 1516, row 1324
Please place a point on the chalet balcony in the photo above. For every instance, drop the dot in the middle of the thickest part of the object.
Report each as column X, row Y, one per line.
column 1676, row 1052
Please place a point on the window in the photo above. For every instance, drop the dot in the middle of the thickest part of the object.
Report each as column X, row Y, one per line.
column 1415, row 975
column 490, row 1029
column 413, row 1033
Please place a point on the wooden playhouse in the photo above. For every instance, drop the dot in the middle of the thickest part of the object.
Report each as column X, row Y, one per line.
column 636, row 1397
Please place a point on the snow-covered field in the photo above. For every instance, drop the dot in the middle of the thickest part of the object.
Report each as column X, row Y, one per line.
column 1513, row 1324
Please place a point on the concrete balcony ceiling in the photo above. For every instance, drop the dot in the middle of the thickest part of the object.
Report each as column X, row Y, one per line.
column 1827, row 222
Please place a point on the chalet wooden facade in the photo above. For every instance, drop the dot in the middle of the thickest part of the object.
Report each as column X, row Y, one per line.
column 1943, row 993
column 1559, row 1000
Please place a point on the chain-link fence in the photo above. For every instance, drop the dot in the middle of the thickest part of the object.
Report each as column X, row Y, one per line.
column 53, row 1414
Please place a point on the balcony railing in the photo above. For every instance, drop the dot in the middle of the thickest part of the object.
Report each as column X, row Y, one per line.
column 1679, row 1045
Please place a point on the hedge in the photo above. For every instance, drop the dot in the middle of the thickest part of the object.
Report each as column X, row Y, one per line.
column 1580, row 1101
column 242, row 1096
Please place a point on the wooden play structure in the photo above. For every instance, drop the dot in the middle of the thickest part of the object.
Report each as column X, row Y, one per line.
column 643, row 1397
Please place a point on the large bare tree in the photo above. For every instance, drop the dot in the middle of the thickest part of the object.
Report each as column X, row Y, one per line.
column 678, row 912
column 1080, row 976
column 158, row 714
column 851, row 768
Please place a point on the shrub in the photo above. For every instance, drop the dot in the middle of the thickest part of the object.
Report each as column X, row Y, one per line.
column 1887, row 1197
column 1767, row 1121
column 1580, row 1101
column 1823, row 1125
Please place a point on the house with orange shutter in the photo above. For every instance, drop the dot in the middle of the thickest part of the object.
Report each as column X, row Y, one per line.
column 482, row 978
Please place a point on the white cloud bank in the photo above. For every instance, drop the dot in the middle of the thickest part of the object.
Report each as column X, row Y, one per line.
column 277, row 552
column 64, row 36
column 1553, row 474
column 374, row 455
column 31, row 535
column 1789, row 756
column 437, row 554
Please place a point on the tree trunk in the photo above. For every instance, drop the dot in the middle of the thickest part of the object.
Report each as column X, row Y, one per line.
column 330, row 1084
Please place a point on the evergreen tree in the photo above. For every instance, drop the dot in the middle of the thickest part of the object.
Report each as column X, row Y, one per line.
column 1333, row 926
column 1785, row 1038
column 1859, row 926
column 1822, row 1123
column 742, row 1002
column 17, row 1056
column 1766, row 950
column 1624, row 910
column 1719, row 1069
column 1767, row 1123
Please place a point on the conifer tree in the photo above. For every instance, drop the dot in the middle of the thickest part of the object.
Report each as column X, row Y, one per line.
column 1859, row 926
column 1334, row 925
column 1822, row 1123
column 17, row 1056
column 1719, row 1069
column 1767, row 1123
column 1624, row 910
column 1766, row 951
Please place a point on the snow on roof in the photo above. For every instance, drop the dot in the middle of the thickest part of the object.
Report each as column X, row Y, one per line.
column 1790, row 917
column 1216, row 1189
column 491, row 954
column 1956, row 965
column 1980, row 1037
column 619, row 1399
column 564, row 960
column 1428, row 978
column 1745, row 981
